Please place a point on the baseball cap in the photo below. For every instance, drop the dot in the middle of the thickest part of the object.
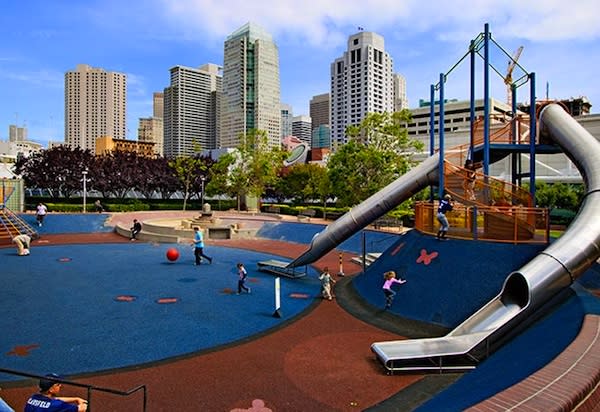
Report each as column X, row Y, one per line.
column 46, row 384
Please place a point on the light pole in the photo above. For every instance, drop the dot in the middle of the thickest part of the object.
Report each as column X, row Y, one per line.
column 84, row 173
column 3, row 192
column 202, row 179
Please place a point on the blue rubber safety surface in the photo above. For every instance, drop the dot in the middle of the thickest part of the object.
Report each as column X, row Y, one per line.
column 373, row 241
column 87, row 308
column 69, row 223
column 447, row 281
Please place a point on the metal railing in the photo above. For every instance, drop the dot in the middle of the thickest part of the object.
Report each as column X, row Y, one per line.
column 509, row 224
column 487, row 190
column 89, row 388
column 11, row 225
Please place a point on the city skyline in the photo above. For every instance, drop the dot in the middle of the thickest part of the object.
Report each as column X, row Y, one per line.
column 145, row 39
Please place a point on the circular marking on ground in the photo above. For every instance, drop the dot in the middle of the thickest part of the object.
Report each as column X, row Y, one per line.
column 187, row 280
column 299, row 295
column 164, row 301
column 125, row 298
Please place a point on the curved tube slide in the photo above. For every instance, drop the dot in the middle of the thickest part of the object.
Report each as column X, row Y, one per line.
column 527, row 289
column 423, row 175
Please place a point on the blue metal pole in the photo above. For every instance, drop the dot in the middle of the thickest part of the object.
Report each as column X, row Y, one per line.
column 431, row 129
column 472, row 108
column 532, row 136
column 486, row 102
column 441, row 132
column 432, row 120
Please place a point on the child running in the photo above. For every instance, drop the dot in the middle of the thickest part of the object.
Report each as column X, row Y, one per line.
column 390, row 279
column 326, row 281
column 242, row 275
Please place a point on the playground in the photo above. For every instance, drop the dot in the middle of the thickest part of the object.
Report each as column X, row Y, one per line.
column 498, row 315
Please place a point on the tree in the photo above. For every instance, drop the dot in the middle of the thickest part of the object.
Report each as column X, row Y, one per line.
column 379, row 151
column 58, row 170
column 163, row 178
column 250, row 169
column 558, row 195
column 187, row 169
column 305, row 182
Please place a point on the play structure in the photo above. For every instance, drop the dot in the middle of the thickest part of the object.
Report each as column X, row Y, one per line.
column 11, row 224
column 494, row 210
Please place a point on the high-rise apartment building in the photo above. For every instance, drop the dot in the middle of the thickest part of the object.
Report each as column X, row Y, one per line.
column 16, row 133
column 190, row 110
column 286, row 120
column 151, row 130
column 251, row 88
column 400, row 99
column 158, row 105
column 361, row 82
column 320, row 110
column 95, row 106
column 302, row 128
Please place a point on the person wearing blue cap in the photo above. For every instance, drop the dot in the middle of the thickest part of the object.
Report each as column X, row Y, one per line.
column 47, row 398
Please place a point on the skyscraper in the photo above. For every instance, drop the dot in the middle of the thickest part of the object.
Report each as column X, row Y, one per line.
column 158, row 105
column 251, row 88
column 286, row 120
column 320, row 110
column 16, row 133
column 400, row 99
column 95, row 106
column 190, row 110
column 361, row 83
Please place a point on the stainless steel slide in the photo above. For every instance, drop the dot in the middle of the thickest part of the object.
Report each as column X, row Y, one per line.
column 527, row 289
column 423, row 175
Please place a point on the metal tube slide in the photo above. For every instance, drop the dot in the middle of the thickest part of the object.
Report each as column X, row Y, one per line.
column 579, row 247
column 528, row 288
column 418, row 178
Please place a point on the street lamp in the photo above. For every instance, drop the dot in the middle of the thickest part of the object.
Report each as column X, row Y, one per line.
column 202, row 179
column 84, row 173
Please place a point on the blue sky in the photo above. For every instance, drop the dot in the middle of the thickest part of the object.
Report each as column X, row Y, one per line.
column 41, row 40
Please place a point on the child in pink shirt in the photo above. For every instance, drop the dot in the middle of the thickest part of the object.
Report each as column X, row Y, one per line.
column 390, row 279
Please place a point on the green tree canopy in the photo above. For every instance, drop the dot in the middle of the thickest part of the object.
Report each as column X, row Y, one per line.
column 305, row 182
column 249, row 170
column 379, row 151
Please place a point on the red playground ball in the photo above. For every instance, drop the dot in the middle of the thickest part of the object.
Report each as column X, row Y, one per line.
column 172, row 254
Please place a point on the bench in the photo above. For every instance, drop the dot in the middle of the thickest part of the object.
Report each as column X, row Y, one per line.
column 306, row 214
column 272, row 209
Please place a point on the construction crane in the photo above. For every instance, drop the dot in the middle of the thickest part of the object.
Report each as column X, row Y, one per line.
column 508, row 78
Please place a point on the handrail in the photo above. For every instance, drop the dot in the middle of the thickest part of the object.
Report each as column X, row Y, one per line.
column 488, row 190
column 89, row 388
column 508, row 224
column 13, row 223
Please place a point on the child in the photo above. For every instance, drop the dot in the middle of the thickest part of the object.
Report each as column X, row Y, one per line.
column 326, row 281
column 23, row 242
column 390, row 279
column 242, row 275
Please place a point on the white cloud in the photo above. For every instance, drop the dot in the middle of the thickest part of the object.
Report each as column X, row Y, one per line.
column 328, row 21
column 42, row 77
